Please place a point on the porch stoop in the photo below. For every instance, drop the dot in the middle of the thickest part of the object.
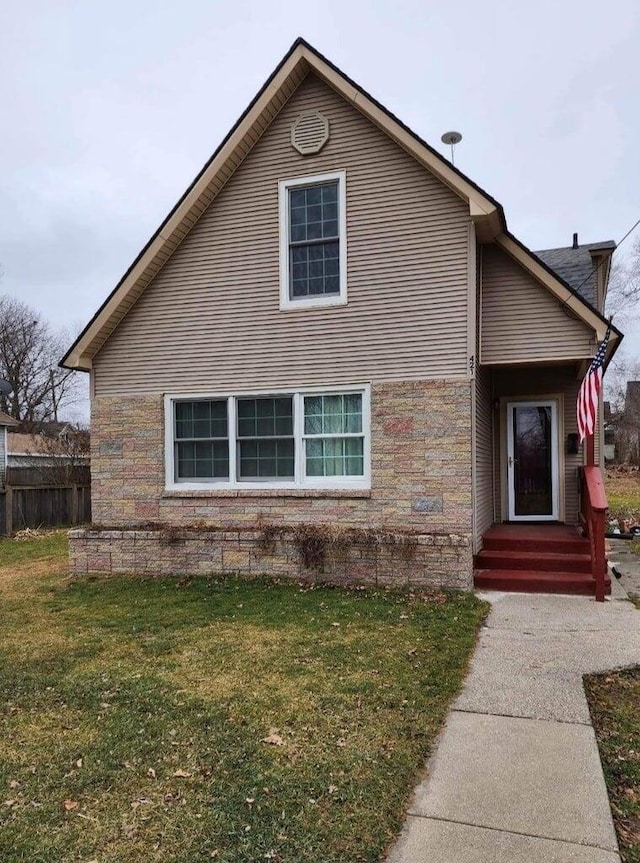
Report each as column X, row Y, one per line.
column 535, row 558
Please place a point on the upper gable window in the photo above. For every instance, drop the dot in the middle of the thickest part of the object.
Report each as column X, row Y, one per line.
column 313, row 242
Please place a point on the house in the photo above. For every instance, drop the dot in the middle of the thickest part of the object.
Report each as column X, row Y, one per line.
column 334, row 355
column 6, row 422
column 57, row 454
column 627, row 426
column 609, row 435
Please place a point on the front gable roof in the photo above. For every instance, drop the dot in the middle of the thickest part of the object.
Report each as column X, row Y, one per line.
column 301, row 60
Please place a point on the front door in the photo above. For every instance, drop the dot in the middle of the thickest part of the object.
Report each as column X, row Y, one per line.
column 532, row 460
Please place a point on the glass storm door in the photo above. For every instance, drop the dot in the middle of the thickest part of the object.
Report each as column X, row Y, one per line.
column 532, row 461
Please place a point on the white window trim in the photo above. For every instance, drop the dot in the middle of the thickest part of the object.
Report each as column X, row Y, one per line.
column 283, row 200
column 301, row 481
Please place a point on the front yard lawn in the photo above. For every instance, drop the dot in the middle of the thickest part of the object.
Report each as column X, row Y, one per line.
column 622, row 485
column 614, row 702
column 220, row 719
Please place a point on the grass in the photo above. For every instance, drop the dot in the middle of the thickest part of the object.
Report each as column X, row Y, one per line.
column 225, row 720
column 614, row 702
column 623, row 493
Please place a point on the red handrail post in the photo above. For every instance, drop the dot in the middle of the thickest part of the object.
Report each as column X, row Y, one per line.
column 593, row 504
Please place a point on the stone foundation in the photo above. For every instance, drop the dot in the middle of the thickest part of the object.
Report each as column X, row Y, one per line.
column 416, row 560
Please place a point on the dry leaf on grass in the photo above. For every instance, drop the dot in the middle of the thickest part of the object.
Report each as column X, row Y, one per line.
column 182, row 774
column 273, row 739
column 70, row 805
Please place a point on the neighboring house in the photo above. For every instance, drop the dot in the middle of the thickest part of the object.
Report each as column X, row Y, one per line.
column 6, row 422
column 334, row 326
column 609, row 433
column 628, row 426
column 37, row 450
column 42, row 460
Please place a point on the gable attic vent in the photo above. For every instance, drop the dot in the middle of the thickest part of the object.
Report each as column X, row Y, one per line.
column 309, row 133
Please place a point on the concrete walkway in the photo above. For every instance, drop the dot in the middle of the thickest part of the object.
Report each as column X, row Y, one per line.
column 516, row 775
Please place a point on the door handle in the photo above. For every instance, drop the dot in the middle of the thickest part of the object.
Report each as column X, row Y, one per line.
column 512, row 461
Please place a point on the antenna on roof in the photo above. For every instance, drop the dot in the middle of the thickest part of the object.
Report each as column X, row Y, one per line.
column 451, row 138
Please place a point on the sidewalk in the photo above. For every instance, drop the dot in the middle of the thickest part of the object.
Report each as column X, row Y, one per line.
column 516, row 776
column 627, row 563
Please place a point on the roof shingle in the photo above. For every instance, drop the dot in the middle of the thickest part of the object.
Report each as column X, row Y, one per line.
column 576, row 267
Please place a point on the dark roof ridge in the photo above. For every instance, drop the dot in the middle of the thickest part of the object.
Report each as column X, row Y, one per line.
column 600, row 244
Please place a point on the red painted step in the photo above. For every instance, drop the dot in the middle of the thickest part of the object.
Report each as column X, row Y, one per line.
column 541, row 560
column 523, row 581
column 563, row 544
column 536, row 537
column 535, row 558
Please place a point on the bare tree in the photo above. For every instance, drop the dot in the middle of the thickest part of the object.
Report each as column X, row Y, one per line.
column 623, row 295
column 29, row 354
column 62, row 459
column 623, row 391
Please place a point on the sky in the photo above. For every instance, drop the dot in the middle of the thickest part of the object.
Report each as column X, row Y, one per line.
column 109, row 109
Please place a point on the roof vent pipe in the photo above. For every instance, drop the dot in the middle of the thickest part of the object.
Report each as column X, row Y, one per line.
column 575, row 241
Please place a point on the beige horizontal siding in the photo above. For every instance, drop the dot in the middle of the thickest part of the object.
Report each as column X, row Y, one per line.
column 521, row 321
column 172, row 237
column 483, row 492
column 522, row 384
column 210, row 318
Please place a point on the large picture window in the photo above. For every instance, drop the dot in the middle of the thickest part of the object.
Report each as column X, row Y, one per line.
column 286, row 440
column 313, row 241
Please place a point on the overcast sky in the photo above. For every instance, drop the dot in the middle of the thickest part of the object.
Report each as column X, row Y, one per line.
column 109, row 109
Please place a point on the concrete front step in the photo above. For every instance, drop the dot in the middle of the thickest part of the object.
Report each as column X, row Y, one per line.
column 541, row 560
column 535, row 581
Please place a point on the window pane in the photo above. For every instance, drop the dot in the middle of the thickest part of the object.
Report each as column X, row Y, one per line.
column 266, row 459
column 315, row 269
column 353, row 413
column 246, row 427
column 314, row 195
column 329, row 193
column 314, row 231
column 264, row 418
column 297, row 197
column 313, row 212
column 333, row 414
column 202, row 460
column 298, row 233
column 335, row 457
column 201, row 419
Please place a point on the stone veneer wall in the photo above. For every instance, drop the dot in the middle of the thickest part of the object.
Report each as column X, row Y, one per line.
column 440, row 560
column 421, row 483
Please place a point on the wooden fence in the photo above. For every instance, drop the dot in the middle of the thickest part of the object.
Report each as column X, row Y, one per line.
column 43, row 506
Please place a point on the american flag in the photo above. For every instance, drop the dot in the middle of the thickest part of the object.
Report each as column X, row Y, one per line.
column 589, row 390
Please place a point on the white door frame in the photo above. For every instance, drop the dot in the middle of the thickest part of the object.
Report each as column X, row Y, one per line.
column 555, row 463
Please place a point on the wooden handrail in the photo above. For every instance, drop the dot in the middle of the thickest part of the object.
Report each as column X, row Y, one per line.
column 593, row 509
column 595, row 488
